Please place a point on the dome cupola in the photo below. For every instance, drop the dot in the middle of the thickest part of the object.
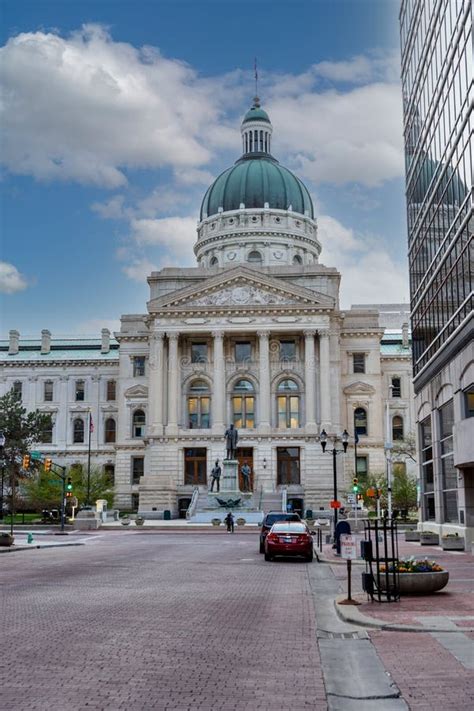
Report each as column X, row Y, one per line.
column 257, row 198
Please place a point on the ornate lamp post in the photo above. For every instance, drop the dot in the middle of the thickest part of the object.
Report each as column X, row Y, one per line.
column 344, row 438
column 2, row 445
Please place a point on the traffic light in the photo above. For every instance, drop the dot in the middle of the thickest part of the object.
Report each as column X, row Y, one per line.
column 26, row 461
column 69, row 486
column 355, row 485
column 47, row 464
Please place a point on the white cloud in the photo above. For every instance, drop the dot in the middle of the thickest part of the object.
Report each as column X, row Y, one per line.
column 361, row 69
column 368, row 271
column 177, row 234
column 11, row 281
column 340, row 137
column 85, row 107
column 112, row 209
column 139, row 269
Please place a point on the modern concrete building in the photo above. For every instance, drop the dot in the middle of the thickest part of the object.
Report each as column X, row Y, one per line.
column 253, row 335
column 437, row 77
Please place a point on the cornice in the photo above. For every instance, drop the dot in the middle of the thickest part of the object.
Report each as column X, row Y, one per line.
column 58, row 363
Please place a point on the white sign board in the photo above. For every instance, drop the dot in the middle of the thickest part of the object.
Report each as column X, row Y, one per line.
column 348, row 547
column 351, row 498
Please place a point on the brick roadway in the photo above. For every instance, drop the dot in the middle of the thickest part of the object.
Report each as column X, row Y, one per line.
column 139, row 621
column 429, row 676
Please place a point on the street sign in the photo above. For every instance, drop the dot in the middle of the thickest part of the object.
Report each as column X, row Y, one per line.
column 58, row 482
column 36, row 455
column 348, row 547
column 351, row 498
column 335, row 504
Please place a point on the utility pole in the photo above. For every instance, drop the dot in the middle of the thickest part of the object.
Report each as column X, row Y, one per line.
column 388, row 453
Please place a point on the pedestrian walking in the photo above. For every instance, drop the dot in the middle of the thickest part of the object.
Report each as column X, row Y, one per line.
column 229, row 521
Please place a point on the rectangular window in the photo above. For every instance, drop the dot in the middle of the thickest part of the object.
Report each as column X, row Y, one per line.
column 138, row 366
column 195, row 466
column 362, row 465
column 48, row 391
column 47, row 434
column 243, row 351
column 358, row 362
column 80, row 390
column 111, row 390
column 135, row 501
column 287, row 350
column 17, row 388
column 396, row 387
column 109, row 471
column 138, row 469
column 198, row 352
column 427, row 471
column 288, row 465
column 469, row 402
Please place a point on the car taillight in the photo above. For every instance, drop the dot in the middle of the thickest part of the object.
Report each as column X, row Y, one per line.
column 272, row 537
column 304, row 538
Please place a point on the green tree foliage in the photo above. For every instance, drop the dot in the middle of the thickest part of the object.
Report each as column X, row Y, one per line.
column 21, row 430
column 39, row 492
column 404, row 491
column 101, row 487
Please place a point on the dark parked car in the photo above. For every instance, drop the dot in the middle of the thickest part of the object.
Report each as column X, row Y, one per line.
column 289, row 539
column 270, row 518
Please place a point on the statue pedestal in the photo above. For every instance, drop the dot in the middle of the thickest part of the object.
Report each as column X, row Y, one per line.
column 230, row 475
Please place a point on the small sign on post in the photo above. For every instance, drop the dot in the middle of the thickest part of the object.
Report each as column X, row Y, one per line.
column 349, row 553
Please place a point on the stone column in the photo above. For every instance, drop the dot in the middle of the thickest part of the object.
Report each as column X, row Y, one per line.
column 324, row 379
column 97, row 436
column 155, row 384
column 60, row 435
column 219, row 389
column 310, row 380
column 173, row 383
column 264, row 374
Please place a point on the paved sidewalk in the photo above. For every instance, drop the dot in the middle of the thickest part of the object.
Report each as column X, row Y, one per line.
column 433, row 669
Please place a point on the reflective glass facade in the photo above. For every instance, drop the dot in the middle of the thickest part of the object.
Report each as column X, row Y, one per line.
column 437, row 78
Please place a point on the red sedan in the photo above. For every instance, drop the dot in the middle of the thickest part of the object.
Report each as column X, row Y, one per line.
column 288, row 539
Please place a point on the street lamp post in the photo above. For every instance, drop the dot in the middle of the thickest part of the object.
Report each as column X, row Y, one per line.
column 388, row 453
column 344, row 438
column 2, row 445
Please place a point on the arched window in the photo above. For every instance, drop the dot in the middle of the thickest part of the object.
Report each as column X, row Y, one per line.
column 360, row 421
column 288, row 404
column 110, row 430
column 254, row 257
column 297, row 259
column 243, row 404
column 199, row 405
column 138, row 423
column 78, row 431
column 397, row 428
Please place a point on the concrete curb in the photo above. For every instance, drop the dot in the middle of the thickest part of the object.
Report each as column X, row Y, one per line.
column 352, row 615
column 322, row 559
column 34, row 546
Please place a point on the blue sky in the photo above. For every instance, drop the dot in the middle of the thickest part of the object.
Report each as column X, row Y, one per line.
column 117, row 115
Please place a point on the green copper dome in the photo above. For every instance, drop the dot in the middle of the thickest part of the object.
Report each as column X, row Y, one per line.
column 256, row 114
column 254, row 181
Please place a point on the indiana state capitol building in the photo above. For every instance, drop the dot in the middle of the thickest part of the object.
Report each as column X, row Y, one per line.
column 253, row 335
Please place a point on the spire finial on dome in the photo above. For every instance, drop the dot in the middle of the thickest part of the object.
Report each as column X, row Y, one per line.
column 256, row 102
column 256, row 81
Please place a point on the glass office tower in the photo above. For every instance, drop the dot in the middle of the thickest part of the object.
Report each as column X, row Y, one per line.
column 437, row 82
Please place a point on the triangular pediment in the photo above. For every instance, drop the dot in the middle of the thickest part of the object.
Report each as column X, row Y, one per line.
column 359, row 388
column 238, row 288
column 137, row 391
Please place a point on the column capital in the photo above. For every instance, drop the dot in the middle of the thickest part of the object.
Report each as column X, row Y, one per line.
column 218, row 333
column 157, row 335
column 173, row 335
column 309, row 333
column 263, row 333
column 323, row 333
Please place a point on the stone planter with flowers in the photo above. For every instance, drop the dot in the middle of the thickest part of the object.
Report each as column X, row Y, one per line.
column 419, row 577
column 429, row 538
column 139, row 520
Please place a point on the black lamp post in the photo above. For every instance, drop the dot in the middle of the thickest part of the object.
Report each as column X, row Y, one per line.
column 2, row 445
column 344, row 438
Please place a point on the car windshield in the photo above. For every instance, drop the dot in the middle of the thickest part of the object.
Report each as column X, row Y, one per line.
column 289, row 528
column 272, row 518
